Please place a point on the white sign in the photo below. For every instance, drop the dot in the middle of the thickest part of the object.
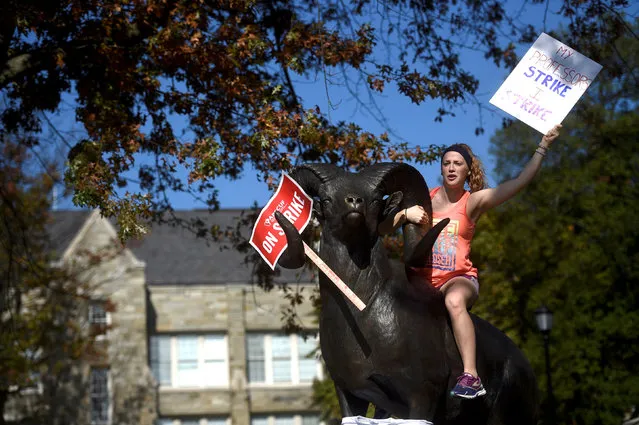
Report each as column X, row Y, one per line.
column 546, row 84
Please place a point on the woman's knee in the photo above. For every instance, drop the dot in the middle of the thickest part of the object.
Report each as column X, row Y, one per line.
column 455, row 302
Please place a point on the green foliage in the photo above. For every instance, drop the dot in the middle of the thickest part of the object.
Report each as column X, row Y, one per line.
column 324, row 396
column 571, row 241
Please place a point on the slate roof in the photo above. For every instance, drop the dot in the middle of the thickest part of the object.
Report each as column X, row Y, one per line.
column 63, row 228
column 174, row 255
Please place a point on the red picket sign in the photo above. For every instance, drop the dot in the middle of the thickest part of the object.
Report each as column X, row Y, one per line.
column 268, row 237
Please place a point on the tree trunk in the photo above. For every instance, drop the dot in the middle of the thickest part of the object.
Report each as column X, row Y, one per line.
column 4, row 396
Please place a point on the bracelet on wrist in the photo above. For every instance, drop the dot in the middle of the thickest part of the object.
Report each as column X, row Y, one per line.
column 540, row 152
column 545, row 148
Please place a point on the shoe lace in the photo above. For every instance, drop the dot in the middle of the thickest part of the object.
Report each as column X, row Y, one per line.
column 467, row 380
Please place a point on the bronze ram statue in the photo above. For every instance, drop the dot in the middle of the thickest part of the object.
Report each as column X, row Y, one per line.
column 399, row 353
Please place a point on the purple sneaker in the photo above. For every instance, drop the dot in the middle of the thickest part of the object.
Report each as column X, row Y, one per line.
column 468, row 386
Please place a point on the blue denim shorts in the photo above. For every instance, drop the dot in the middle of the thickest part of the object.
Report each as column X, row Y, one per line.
column 473, row 280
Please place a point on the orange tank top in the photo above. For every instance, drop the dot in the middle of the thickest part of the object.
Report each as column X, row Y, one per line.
column 451, row 252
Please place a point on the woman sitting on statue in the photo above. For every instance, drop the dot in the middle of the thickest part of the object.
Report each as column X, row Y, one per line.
column 451, row 270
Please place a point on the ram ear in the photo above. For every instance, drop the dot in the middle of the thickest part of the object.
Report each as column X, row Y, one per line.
column 393, row 204
column 293, row 257
column 317, row 210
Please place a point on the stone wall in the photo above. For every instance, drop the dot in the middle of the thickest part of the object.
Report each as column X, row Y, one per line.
column 176, row 402
column 121, row 281
column 291, row 399
column 134, row 392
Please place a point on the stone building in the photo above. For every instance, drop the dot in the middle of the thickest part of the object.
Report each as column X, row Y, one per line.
column 191, row 340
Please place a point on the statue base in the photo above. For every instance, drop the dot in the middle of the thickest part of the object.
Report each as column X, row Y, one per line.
column 361, row 420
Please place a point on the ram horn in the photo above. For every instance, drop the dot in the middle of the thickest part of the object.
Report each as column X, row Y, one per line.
column 424, row 247
column 394, row 177
column 311, row 176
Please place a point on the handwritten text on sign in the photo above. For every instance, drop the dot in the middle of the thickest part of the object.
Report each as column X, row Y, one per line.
column 268, row 237
column 546, row 84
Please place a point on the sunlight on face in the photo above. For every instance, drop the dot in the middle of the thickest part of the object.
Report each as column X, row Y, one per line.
column 454, row 169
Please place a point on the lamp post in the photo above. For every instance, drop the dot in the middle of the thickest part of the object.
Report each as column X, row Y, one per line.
column 543, row 316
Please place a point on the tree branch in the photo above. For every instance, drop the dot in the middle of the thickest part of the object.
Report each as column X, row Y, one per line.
column 33, row 61
column 8, row 22
column 26, row 62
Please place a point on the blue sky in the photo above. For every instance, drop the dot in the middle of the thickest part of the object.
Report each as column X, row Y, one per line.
column 405, row 121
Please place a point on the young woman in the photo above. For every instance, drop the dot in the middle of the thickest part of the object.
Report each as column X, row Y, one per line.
column 451, row 270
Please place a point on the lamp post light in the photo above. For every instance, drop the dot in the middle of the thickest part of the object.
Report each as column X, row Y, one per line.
column 543, row 316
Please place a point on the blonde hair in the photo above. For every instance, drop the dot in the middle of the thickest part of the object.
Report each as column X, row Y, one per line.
column 476, row 177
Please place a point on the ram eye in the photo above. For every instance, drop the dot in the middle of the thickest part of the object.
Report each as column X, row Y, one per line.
column 326, row 202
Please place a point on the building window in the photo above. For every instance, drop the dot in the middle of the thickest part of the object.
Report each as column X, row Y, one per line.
column 260, row 420
column 214, row 356
column 188, row 361
column 192, row 421
column 309, row 419
column 99, row 319
column 34, row 380
column 284, row 420
column 98, row 314
column 307, row 361
column 160, row 353
column 100, row 396
column 281, row 351
column 275, row 359
column 255, row 354
column 303, row 419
